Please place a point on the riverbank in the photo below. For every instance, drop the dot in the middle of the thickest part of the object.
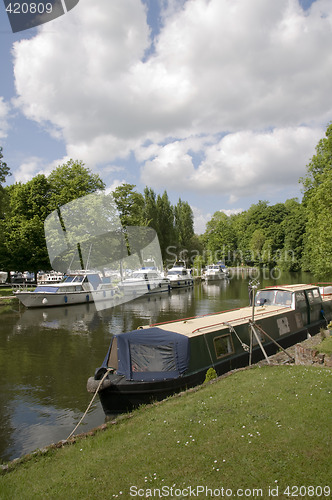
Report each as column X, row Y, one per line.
column 240, row 432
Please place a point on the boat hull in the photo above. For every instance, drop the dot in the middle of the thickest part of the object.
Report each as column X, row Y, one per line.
column 181, row 282
column 137, row 289
column 31, row 299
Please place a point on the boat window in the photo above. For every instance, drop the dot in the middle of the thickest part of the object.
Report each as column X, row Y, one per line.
column 68, row 279
column 313, row 296
column 300, row 299
column 264, row 297
column 152, row 358
column 283, row 298
column 223, row 346
column 49, row 289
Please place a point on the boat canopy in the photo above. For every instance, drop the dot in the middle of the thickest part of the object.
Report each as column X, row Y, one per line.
column 152, row 354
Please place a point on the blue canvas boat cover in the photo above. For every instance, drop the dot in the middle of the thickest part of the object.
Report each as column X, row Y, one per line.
column 152, row 354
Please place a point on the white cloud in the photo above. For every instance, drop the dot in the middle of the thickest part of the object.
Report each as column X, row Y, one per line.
column 4, row 117
column 217, row 67
column 238, row 164
column 28, row 169
column 200, row 220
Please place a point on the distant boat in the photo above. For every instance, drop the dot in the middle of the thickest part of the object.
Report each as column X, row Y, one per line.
column 180, row 276
column 146, row 280
column 76, row 288
column 214, row 272
column 154, row 361
column 50, row 277
column 3, row 276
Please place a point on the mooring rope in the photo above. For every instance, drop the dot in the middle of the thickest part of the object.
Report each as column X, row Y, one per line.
column 89, row 405
column 244, row 346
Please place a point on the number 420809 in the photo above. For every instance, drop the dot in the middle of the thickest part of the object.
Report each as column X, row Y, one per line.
column 29, row 8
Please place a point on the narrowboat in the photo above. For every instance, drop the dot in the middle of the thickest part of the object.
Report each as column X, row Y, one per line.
column 154, row 361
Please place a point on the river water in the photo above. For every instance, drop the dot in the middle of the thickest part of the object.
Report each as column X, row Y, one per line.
column 47, row 355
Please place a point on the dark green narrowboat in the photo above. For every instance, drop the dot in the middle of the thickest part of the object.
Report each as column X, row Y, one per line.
column 154, row 361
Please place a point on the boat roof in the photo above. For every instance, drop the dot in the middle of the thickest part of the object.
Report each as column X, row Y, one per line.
column 191, row 327
column 290, row 288
column 199, row 325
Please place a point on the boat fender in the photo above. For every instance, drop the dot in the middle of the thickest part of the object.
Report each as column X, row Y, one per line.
column 66, row 299
column 87, row 298
column 92, row 384
column 44, row 301
column 100, row 372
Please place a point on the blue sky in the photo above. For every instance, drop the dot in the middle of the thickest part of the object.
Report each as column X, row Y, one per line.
column 220, row 103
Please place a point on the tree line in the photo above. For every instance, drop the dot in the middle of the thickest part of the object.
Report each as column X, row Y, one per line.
column 292, row 235
column 25, row 206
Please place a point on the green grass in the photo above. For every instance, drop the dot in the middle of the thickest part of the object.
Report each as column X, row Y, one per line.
column 262, row 428
column 325, row 346
column 4, row 292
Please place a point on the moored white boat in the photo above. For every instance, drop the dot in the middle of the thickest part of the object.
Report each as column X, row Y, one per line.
column 180, row 276
column 48, row 278
column 76, row 288
column 146, row 280
column 214, row 272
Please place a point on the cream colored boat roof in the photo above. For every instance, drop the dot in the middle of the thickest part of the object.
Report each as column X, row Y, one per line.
column 211, row 322
column 203, row 324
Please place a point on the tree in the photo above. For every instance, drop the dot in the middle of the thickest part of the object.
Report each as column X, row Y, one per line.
column 319, row 164
column 4, row 172
column 71, row 181
column 150, row 208
column 4, row 169
column 317, row 201
column 130, row 205
column 220, row 237
column 24, row 244
column 293, row 227
column 184, row 224
column 166, row 232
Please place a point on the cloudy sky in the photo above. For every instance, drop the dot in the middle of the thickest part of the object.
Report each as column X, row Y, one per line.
column 220, row 102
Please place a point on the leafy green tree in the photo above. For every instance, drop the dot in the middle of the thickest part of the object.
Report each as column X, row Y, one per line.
column 320, row 163
column 318, row 238
column 4, row 172
column 318, row 203
column 220, row 237
column 130, row 204
column 289, row 258
column 24, row 245
column 166, row 231
column 184, row 224
column 71, row 181
column 150, row 208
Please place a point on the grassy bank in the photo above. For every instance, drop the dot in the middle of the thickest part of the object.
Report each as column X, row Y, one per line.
column 262, row 428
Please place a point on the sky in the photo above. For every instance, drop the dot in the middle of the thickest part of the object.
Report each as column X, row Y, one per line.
column 219, row 102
